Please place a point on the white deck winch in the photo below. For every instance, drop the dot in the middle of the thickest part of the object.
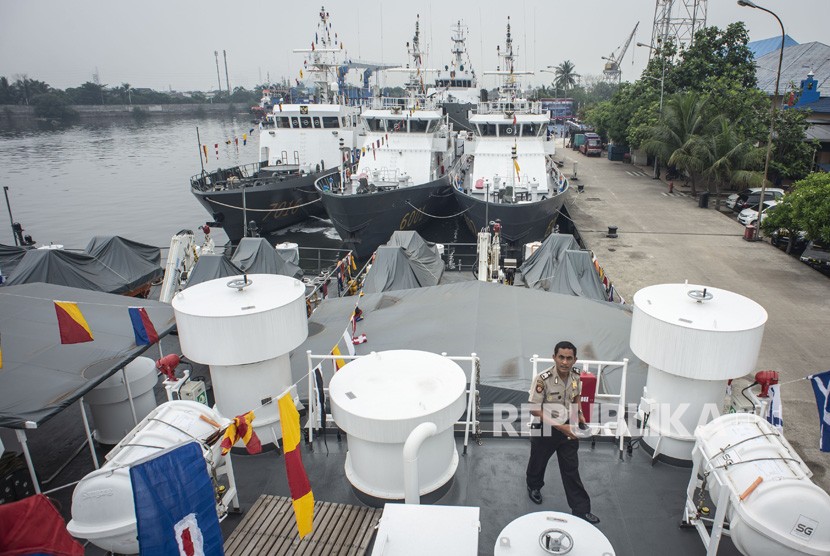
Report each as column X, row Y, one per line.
column 245, row 332
column 379, row 400
column 694, row 339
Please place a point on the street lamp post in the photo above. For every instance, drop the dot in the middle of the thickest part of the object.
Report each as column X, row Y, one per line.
column 662, row 87
column 750, row 4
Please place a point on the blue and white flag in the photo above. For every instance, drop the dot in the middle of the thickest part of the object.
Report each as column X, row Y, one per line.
column 775, row 410
column 821, row 388
column 174, row 505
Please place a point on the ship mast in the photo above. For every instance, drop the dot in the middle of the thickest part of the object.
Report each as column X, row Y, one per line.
column 322, row 59
column 510, row 85
column 415, row 85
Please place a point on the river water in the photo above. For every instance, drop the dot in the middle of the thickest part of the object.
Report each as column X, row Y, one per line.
column 122, row 177
column 132, row 178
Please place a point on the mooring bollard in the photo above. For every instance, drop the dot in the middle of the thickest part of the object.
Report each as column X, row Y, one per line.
column 580, row 188
column 612, row 232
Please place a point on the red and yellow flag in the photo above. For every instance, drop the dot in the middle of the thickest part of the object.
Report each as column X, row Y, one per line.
column 71, row 323
column 303, row 498
column 338, row 363
column 241, row 427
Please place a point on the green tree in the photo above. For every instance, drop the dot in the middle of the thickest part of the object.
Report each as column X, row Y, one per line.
column 88, row 93
column 782, row 218
column 54, row 106
column 565, row 75
column 25, row 89
column 810, row 199
column 6, row 91
column 679, row 137
column 792, row 156
column 729, row 160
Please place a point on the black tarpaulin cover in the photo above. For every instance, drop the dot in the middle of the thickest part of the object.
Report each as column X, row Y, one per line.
column 40, row 377
column 10, row 255
column 255, row 255
column 425, row 260
column 392, row 270
column 68, row 268
column 137, row 263
column 209, row 267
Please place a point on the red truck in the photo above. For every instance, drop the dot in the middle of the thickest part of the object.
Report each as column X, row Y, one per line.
column 592, row 145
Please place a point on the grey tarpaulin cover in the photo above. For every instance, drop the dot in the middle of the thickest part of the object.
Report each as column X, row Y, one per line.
column 137, row 263
column 392, row 270
column 559, row 266
column 10, row 255
column 209, row 267
column 426, row 261
column 504, row 325
column 577, row 275
column 40, row 377
column 68, row 268
column 255, row 255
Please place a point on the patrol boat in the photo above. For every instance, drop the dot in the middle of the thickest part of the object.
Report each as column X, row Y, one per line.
column 401, row 177
column 298, row 142
column 509, row 174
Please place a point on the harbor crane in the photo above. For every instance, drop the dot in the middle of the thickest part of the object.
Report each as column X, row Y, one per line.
column 612, row 70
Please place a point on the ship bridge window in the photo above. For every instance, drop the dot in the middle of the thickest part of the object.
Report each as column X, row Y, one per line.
column 418, row 126
column 530, row 130
column 330, row 121
column 486, row 130
column 305, row 122
column 295, row 122
column 374, row 124
column 283, row 121
column 508, row 130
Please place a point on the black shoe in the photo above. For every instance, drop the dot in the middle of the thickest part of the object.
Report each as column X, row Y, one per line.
column 589, row 517
column 535, row 495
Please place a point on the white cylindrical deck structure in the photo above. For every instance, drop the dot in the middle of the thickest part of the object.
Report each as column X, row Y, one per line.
column 694, row 339
column 103, row 510
column 379, row 400
column 245, row 335
column 110, row 404
column 545, row 533
column 786, row 514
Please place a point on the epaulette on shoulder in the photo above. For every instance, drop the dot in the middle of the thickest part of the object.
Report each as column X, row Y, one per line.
column 545, row 375
column 576, row 371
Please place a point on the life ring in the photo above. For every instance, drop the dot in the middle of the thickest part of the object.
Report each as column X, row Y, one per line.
column 509, row 131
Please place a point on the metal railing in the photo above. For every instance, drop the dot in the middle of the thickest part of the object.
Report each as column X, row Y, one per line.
column 616, row 427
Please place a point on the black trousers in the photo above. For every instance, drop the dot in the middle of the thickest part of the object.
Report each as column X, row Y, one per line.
column 541, row 450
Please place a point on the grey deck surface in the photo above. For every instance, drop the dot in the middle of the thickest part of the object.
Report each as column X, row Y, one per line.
column 640, row 506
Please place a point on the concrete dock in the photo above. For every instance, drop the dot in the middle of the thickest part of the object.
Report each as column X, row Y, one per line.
column 666, row 238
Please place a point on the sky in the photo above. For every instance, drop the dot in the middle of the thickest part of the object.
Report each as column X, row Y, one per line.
column 164, row 44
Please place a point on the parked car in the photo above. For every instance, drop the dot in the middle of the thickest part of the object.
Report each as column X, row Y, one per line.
column 750, row 215
column 817, row 256
column 752, row 198
column 781, row 238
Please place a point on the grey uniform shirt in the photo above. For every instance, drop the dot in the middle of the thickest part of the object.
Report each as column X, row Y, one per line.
column 549, row 388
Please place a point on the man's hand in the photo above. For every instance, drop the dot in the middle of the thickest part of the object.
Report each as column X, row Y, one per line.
column 566, row 430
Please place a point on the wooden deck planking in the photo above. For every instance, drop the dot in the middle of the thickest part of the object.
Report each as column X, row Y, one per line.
column 270, row 528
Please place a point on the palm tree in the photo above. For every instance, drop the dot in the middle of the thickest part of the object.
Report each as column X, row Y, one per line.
column 679, row 137
column 127, row 89
column 729, row 159
column 565, row 75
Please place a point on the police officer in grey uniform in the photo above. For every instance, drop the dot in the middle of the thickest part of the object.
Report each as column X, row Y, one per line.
column 556, row 398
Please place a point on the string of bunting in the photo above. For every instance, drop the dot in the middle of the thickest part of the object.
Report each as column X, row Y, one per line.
column 234, row 140
column 610, row 290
